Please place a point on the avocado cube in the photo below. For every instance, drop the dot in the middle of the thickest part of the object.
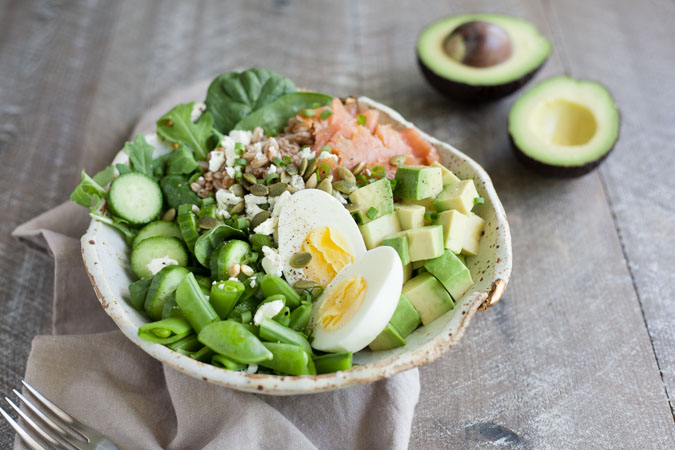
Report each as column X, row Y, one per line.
column 417, row 264
column 451, row 272
column 455, row 226
column 377, row 195
column 406, row 318
column 425, row 242
column 448, row 176
column 389, row 338
column 459, row 196
column 407, row 272
column 418, row 182
column 410, row 216
column 428, row 296
column 427, row 203
column 399, row 242
column 474, row 231
column 375, row 231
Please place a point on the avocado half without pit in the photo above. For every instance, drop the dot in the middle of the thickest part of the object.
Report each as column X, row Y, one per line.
column 480, row 57
column 564, row 127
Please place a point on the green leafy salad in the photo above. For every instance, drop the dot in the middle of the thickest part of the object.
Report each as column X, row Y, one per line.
column 280, row 231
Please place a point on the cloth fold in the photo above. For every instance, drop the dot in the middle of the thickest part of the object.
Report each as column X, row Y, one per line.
column 90, row 369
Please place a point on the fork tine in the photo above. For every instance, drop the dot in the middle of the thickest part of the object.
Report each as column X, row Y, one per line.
column 46, row 419
column 58, row 412
column 27, row 438
column 34, row 426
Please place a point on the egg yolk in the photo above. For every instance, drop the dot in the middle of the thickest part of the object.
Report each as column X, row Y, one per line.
column 330, row 253
column 341, row 303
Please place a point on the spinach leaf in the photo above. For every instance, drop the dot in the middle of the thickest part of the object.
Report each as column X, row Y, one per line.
column 176, row 189
column 274, row 116
column 233, row 96
column 90, row 193
column 176, row 126
column 140, row 155
column 181, row 162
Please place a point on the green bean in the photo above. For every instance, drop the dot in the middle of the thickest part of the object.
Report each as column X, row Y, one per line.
column 197, row 310
column 300, row 317
column 333, row 362
column 208, row 211
column 272, row 284
column 204, row 354
column 226, row 363
column 235, row 341
column 138, row 291
column 284, row 316
column 165, row 331
column 287, row 358
column 187, row 345
column 273, row 331
column 224, row 295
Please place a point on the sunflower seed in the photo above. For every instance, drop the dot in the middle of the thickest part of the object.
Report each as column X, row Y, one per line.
column 237, row 189
column 277, row 189
column 346, row 175
column 397, row 160
column 234, row 270
column 300, row 260
column 250, row 178
column 238, row 208
column 303, row 167
column 346, row 187
column 259, row 190
column 260, row 218
column 311, row 167
column 311, row 182
column 305, row 284
column 169, row 215
column 325, row 184
column 208, row 222
column 359, row 168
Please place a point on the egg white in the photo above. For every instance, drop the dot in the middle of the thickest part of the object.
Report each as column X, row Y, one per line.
column 382, row 269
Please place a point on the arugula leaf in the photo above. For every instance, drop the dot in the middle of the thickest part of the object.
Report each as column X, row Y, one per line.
column 140, row 155
column 89, row 193
column 181, row 162
column 122, row 168
column 176, row 126
column 274, row 116
column 233, row 96
column 176, row 190
column 105, row 176
column 117, row 223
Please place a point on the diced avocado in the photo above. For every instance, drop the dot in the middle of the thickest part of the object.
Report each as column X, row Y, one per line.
column 455, row 226
column 407, row 272
column 417, row 264
column 399, row 242
column 389, row 338
column 406, row 318
column 374, row 232
column 451, row 272
column 462, row 258
column 459, row 196
column 425, row 242
column 410, row 216
column 428, row 296
column 474, row 231
column 448, row 176
column 418, row 182
column 377, row 196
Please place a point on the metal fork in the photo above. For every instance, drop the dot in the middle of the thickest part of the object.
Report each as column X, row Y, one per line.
column 65, row 432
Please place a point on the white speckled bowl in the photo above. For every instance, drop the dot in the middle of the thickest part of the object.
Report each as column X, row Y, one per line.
column 106, row 258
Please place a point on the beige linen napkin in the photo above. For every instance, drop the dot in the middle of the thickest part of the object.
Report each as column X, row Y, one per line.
column 90, row 369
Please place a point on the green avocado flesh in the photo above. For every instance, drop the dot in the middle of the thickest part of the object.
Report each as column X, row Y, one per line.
column 528, row 51
column 564, row 126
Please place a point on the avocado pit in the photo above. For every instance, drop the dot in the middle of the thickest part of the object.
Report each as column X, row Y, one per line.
column 478, row 44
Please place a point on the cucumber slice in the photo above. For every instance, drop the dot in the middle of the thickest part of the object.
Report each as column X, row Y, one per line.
column 157, row 228
column 162, row 288
column 157, row 247
column 135, row 198
column 208, row 241
column 227, row 254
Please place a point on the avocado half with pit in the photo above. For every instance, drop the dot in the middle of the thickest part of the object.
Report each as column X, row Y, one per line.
column 564, row 127
column 480, row 57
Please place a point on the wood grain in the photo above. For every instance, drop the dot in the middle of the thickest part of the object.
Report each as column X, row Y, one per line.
column 581, row 351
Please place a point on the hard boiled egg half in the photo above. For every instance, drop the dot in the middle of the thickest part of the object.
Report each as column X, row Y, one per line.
column 313, row 221
column 358, row 303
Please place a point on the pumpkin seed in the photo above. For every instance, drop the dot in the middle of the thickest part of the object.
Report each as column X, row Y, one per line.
column 351, row 207
column 311, row 167
column 169, row 215
column 359, row 168
column 208, row 222
column 346, row 174
column 238, row 208
column 316, row 291
column 303, row 167
column 278, row 188
column 346, row 187
column 397, row 160
column 237, row 189
column 259, row 190
column 285, row 177
column 250, row 178
column 300, row 260
column 325, row 184
column 311, row 182
column 260, row 218
column 305, row 284
column 292, row 169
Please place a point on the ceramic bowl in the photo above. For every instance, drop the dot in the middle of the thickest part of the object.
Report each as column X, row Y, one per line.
column 106, row 258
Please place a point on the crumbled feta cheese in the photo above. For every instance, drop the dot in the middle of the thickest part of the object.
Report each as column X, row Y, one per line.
column 276, row 203
column 251, row 369
column 327, row 155
column 230, row 171
column 253, row 210
column 340, row 197
column 306, row 152
column 297, row 182
column 267, row 227
column 252, row 282
column 242, row 136
column 271, row 263
column 268, row 310
column 228, row 144
column 252, row 202
column 233, row 279
column 197, row 111
column 225, row 198
column 222, row 214
column 158, row 264
column 271, row 169
column 217, row 160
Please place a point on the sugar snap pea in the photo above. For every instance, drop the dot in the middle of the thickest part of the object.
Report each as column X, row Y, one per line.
column 300, row 317
column 271, row 284
column 224, row 295
column 235, row 341
column 288, row 359
column 333, row 362
column 165, row 331
column 204, row 354
column 194, row 305
column 273, row 331
column 186, row 346
column 226, row 363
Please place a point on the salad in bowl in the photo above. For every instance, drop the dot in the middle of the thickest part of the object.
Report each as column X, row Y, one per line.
column 285, row 241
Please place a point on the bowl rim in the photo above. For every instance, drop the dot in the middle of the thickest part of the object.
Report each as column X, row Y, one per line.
column 366, row 373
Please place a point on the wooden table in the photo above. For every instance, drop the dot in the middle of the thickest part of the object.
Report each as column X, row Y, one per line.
column 581, row 351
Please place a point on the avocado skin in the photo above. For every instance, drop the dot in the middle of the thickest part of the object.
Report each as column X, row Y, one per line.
column 557, row 171
column 466, row 93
